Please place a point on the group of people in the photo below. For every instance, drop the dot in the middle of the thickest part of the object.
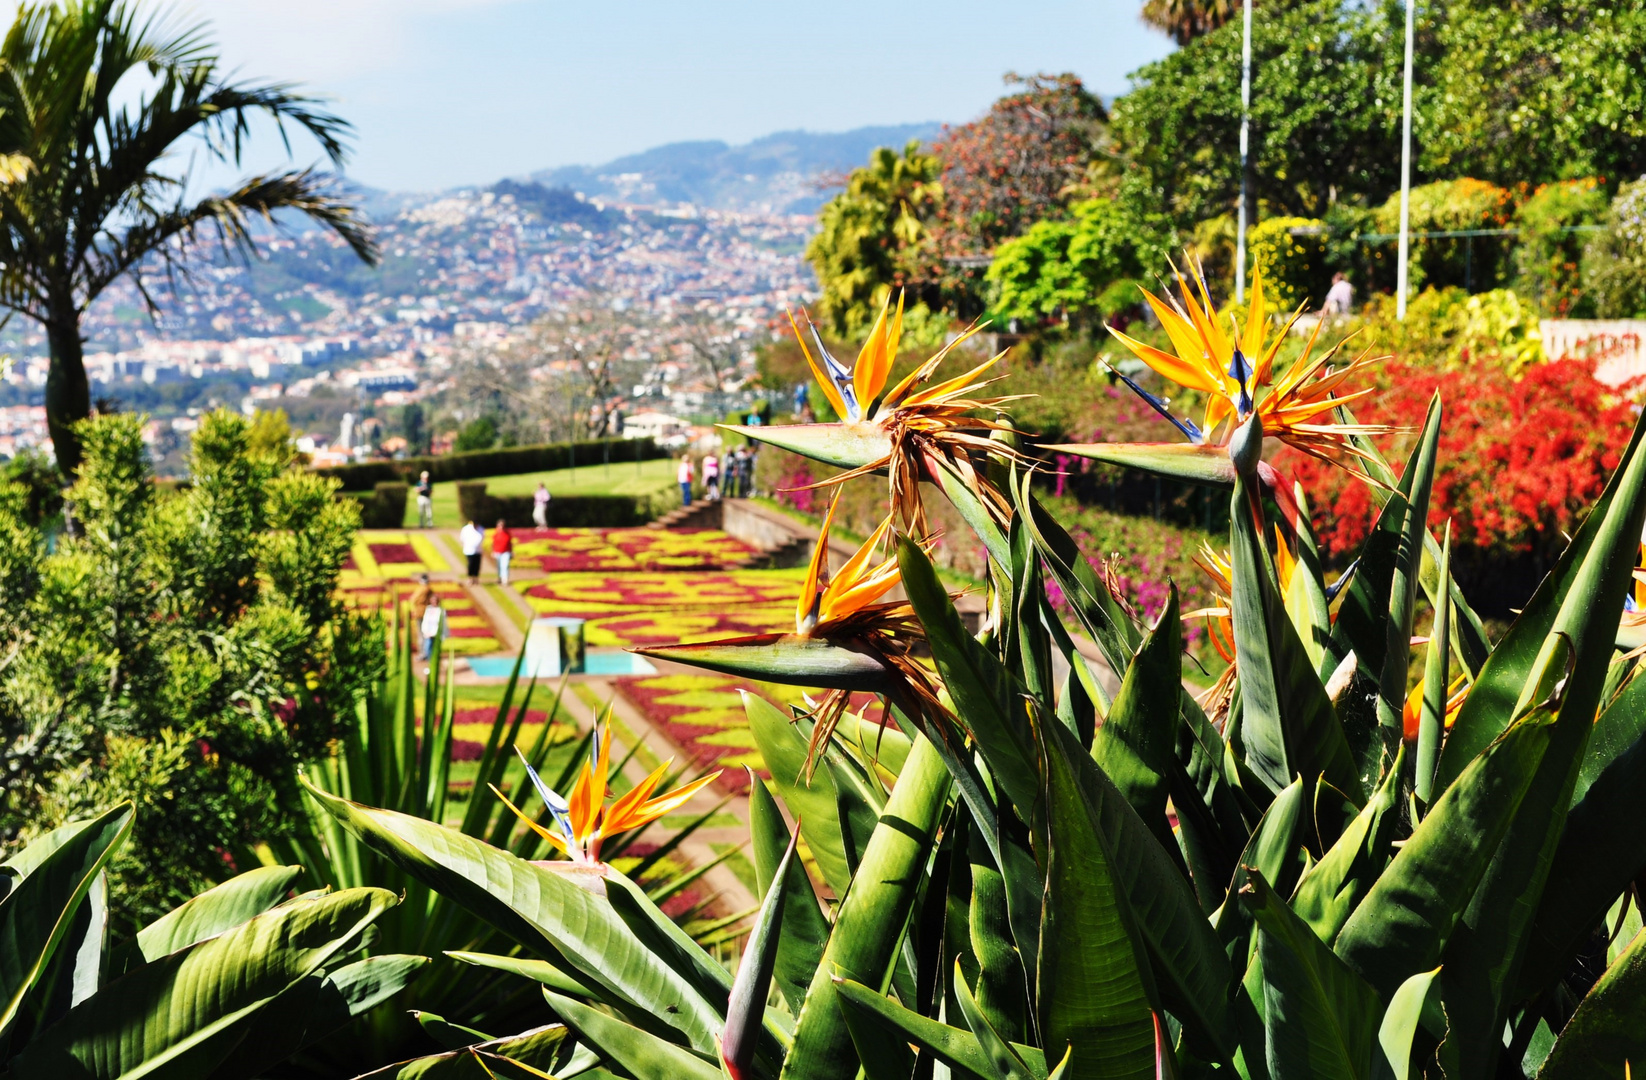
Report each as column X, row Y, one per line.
column 472, row 538
column 735, row 471
column 425, row 504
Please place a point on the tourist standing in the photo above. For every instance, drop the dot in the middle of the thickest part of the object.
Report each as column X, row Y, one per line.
column 750, row 456
column 711, row 476
column 425, row 502
column 502, row 550
column 473, row 539
column 1340, row 298
column 540, row 505
column 684, row 475
column 433, row 620
column 421, row 599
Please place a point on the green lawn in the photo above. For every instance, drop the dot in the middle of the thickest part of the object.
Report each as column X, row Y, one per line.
column 625, row 478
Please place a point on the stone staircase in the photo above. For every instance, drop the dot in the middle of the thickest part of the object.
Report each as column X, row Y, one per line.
column 699, row 515
column 773, row 550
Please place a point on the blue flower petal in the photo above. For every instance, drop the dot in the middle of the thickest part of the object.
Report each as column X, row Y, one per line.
column 1187, row 427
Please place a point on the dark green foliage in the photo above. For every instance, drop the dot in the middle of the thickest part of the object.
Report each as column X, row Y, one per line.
column 385, row 507
column 478, row 434
column 565, row 511
column 180, row 650
column 504, row 461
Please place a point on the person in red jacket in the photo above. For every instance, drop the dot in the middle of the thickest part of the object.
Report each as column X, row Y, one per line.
column 502, row 551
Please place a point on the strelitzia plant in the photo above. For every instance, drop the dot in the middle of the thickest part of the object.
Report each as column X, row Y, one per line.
column 1048, row 879
column 583, row 822
column 915, row 432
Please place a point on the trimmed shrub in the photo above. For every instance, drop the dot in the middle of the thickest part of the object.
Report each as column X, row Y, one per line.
column 1294, row 263
column 1449, row 206
column 385, row 507
column 565, row 511
column 504, row 461
column 1614, row 263
column 1549, row 254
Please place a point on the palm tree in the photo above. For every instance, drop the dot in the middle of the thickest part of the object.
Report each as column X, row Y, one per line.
column 1185, row 20
column 94, row 98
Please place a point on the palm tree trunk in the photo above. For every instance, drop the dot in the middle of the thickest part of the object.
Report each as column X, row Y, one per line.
column 68, row 394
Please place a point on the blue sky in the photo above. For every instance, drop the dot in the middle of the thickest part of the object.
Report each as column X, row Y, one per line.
column 450, row 92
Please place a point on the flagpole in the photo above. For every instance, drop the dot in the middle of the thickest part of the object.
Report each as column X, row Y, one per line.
column 1405, row 170
column 1245, row 136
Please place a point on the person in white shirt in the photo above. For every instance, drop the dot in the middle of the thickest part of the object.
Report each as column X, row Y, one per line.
column 473, row 539
column 711, row 477
column 1340, row 298
column 433, row 618
column 540, row 505
column 684, row 475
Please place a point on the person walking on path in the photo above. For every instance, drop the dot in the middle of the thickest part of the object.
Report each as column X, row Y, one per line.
column 473, row 539
column 425, row 502
column 431, row 623
column 711, row 477
column 502, row 550
column 540, row 505
column 421, row 599
column 684, row 475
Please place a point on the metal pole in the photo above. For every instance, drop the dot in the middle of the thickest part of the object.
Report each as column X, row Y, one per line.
column 1245, row 136
column 1405, row 170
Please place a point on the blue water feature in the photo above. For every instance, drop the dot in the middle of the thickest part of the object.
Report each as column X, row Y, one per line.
column 615, row 663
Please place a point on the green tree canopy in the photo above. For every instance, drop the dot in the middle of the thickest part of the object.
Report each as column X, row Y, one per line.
column 1065, row 271
column 869, row 236
column 184, row 650
column 1526, row 92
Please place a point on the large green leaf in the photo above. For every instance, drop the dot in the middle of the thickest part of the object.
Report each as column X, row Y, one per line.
column 640, row 1054
column 873, row 915
column 317, row 1007
column 805, row 931
column 540, row 1048
column 1006, row 1060
column 1098, row 612
column 1407, row 918
column 1481, row 964
column 1408, row 563
column 1286, row 720
column 220, row 908
column 184, row 1013
column 49, row 879
column 955, row 1047
column 1415, row 999
column 1137, row 741
column 1191, row 972
column 537, row 970
column 1609, row 1028
column 986, row 697
column 550, row 913
column 1333, row 887
column 1094, row 989
column 1596, row 859
column 845, row 446
column 1431, row 727
column 1501, row 683
column 1321, row 1018
column 787, row 659
column 746, row 1007
column 811, row 796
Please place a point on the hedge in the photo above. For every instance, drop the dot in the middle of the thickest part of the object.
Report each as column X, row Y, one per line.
column 385, row 507
column 565, row 511
column 506, row 461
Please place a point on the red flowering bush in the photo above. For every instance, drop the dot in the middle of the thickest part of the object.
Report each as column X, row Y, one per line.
column 1519, row 460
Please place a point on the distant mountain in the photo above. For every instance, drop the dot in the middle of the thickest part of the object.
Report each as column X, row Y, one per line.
column 775, row 174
